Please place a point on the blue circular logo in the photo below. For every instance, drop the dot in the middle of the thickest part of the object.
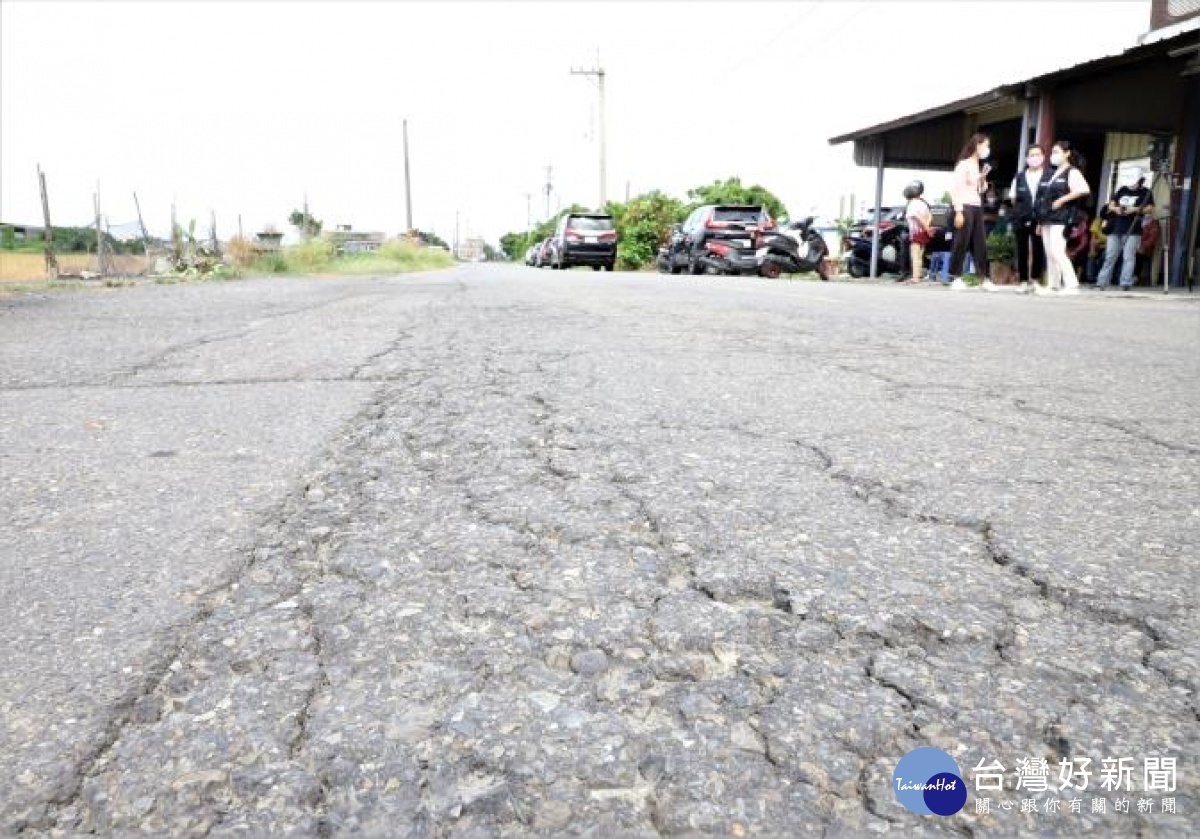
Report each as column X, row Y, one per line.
column 928, row 781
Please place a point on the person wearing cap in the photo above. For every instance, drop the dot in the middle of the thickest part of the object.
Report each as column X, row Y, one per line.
column 1128, row 206
column 920, row 227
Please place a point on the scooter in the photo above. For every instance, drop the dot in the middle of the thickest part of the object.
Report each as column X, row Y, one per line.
column 796, row 248
column 726, row 258
column 893, row 252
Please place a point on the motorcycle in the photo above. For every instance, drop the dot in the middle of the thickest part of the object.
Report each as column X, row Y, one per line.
column 796, row 248
column 893, row 251
column 726, row 258
column 893, row 248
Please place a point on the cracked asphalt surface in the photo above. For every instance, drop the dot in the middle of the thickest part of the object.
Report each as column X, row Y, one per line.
column 493, row 552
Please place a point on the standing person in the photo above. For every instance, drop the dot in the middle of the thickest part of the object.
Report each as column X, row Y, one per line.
column 1031, row 255
column 969, row 184
column 920, row 227
column 1096, row 249
column 1079, row 241
column 1056, row 211
column 1127, row 208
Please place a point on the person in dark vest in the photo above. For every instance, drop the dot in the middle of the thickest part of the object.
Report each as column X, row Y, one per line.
column 1127, row 209
column 1031, row 254
column 1057, row 210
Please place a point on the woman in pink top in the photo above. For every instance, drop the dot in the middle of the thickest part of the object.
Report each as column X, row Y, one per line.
column 969, row 183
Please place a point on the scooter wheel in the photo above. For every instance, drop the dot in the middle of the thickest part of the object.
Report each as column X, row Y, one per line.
column 770, row 270
column 856, row 269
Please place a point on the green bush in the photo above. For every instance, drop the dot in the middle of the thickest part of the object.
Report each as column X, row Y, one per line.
column 309, row 257
column 644, row 224
column 272, row 263
column 1001, row 248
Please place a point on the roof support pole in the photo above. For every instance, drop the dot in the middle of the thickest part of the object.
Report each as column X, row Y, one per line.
column 1029, row 124
column 878, row 211
column 1046, row 124
column 1180, row 225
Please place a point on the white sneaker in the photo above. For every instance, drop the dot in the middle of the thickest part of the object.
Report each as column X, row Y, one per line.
column 988, row 285
column 1042, row 290
column 958, row 285
column 1069, row 290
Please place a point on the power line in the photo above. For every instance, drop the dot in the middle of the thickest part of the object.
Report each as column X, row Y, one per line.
column 760, row 51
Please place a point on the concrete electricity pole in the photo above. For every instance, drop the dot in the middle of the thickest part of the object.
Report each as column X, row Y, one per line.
column 549, row 187
column 598, row 72
column 407, row 182
column 51, row 261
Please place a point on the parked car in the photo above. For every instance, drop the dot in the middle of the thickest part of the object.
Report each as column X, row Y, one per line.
column 866, row 226
column 584, row 239
column 542, row 258
column 728, row 225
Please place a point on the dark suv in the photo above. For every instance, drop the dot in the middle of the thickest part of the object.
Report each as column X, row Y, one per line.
column 732, row 224
column 584, row 239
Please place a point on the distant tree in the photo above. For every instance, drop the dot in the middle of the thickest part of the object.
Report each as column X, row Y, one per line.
column 431, row 240
column 305, row 223
column 733, row 191
column 514, row 245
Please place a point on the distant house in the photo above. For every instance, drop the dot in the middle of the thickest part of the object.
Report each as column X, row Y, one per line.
column 470, row 249
column 22, row 232
column 346, row 240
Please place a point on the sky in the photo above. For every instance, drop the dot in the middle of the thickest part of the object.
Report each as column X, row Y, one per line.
column 245, row 109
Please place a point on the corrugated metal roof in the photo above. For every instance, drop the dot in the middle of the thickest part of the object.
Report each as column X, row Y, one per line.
column 1007, row 93
column 995, row 97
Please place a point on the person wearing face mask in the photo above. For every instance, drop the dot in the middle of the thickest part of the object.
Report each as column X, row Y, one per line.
column 1127, row 209
column 1056, row 206
column 1024, row 191
column 968, row 184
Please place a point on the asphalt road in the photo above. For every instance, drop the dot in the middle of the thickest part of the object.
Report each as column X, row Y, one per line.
column 498, row 552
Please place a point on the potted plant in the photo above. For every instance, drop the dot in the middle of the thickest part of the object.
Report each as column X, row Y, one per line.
column 1001, row 249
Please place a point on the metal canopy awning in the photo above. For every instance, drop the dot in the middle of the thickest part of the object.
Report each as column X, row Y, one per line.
column 1094, row 93
column 993, row 98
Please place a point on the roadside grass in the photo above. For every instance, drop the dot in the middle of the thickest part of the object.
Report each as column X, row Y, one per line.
column 318, row 257
column 23, row 272
column 30, row 266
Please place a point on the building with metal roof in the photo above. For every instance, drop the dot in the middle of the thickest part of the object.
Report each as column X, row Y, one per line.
column 1137, row 107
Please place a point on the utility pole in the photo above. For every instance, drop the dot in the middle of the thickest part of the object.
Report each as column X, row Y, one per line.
column 212, row 232
column 598, row 73
column 407, row 182
column 456, row 234
column 142, row 225
column 528, row 213
column 304, row 221
column 103, row 267
column 549, row 186
column 51, row 261
column 176, row 237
